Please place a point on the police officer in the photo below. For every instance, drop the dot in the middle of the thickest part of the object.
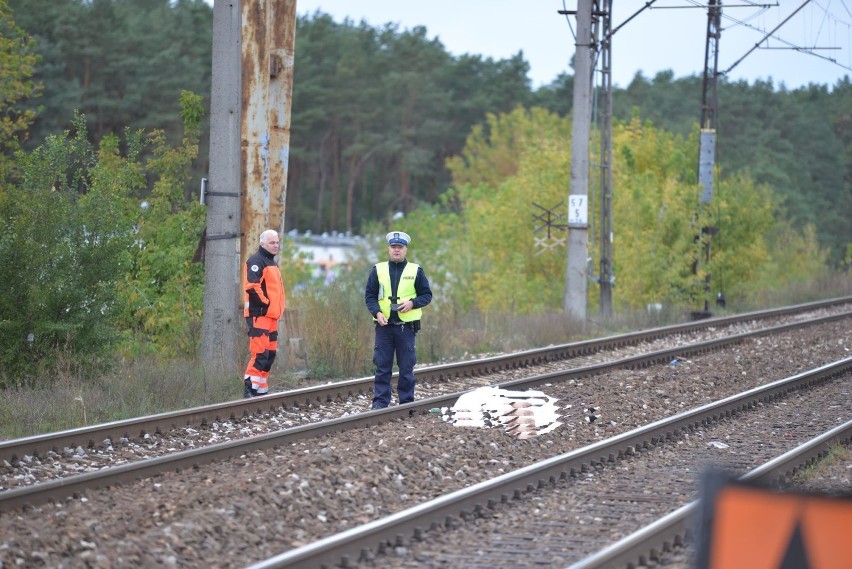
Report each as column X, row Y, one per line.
column 395, row 295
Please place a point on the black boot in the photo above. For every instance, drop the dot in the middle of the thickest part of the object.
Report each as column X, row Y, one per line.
column 247, row 390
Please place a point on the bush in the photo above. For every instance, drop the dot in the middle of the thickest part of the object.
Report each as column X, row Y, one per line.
column 336, row 328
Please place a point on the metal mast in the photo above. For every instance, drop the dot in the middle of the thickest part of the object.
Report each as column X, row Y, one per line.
column 606, row 274
column 707, row 142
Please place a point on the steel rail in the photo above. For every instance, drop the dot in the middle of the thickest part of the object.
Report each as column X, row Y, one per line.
column 353, row 544
column 77, row 484
column 91, row 436
column 675, row 528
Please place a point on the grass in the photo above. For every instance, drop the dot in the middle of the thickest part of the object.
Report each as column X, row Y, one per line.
column 837, row 454
column 138, row 388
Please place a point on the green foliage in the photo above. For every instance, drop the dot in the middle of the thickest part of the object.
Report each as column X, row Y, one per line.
column 480, row 244
column 139, row 387
column 654, row 216
column 296, row 270
column 490, row 261
column 522, row 278
column 658, row 218
column 381, row 120
column 437, row 234
column 66, row 233
column 378, row 110
column 163, row 290
column 336, row 327
column 375, row 114
column 492, row 150
column 87, row 265
column 17, row 65
column 121, row 63
column 798, row 142
column 794, row 258
column 558, row 97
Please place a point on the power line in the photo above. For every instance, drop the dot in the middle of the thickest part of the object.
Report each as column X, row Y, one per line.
column 787, row 19
column 790, row 45
column 763, row 8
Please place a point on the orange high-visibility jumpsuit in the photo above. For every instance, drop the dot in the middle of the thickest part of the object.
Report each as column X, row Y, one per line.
column 264, row 304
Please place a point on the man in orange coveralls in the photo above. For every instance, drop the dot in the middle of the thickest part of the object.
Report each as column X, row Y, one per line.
column 264, row 305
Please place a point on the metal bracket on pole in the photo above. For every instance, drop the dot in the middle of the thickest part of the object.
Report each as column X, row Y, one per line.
column 204, row 193
column 223, row 236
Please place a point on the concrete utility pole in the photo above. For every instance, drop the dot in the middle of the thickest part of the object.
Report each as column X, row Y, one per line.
column 219, row 332
column 253, row 48
column 574, row 301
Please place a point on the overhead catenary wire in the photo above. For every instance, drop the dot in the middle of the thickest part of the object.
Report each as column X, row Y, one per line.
column 596, row 43
column 771, row 34
column 764, row 8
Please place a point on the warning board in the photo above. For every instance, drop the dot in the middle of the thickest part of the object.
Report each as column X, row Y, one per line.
column 748, row 526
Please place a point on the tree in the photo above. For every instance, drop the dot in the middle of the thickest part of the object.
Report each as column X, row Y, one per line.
column 376, row 113
column 556, row 97
column 86, row 266
column 17, row 65
column 786, row 139
column 122, row 63
column 162, row 291
column 493, row 265
column 64, row 243
column 493, row 150
column 481, row 247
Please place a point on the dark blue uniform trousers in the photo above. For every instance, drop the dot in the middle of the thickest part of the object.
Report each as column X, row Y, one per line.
column 391, row 340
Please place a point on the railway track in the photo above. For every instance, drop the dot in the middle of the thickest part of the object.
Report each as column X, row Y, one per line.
column 62, row 474
column 675, row 530
column 240, row 501
column 119, row 442
column 584, row 521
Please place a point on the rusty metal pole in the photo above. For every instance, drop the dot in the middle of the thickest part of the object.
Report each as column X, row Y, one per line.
column 269, row 32
column 282, row 35
column 254, row 127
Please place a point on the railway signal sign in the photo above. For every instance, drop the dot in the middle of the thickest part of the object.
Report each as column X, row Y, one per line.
column 749, row 526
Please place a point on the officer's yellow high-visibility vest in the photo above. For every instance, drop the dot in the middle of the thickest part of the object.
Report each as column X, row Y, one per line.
column 405, row 290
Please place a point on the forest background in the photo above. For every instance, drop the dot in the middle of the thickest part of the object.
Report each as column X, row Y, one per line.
column 104, row 115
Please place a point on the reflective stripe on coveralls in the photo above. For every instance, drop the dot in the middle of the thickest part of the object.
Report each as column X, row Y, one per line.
column 265, row 302
column 263, row 345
